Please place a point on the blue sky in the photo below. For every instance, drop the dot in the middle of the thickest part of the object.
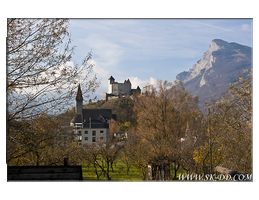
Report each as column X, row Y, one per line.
column 144, row 50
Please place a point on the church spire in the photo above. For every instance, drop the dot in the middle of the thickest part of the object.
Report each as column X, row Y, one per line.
column 79, row 101
column 79, row 94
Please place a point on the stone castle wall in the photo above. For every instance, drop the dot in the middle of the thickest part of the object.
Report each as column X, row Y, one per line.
column 116, row 89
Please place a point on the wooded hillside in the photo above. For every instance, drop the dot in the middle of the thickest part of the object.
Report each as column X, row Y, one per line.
column 122, row 107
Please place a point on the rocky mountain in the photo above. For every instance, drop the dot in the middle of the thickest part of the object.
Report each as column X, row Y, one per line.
column 218, row 67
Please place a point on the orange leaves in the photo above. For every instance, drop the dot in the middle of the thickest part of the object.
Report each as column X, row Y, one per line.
column 29, row 139
column 114, row 126
column 162, row 116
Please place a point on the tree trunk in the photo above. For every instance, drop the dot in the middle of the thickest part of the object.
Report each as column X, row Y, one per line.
column 107, row 171
column 96, row 172
column 112, row 166
column 175, row 170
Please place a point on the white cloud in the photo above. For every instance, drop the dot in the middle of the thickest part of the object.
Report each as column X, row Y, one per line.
column 135, row 81
column 246, row 27
column 51, row 74
column 102, row 76
column 214, row 26
column 107, row 53
column 101, row 72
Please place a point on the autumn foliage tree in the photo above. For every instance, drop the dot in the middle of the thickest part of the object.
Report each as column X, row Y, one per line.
column 231, row 125
column 41, row 141
column 41, row 79
column 28, row 139
column 162, row 118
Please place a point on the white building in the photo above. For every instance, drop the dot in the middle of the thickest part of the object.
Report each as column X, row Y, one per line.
column 92, row 131
column 90, row 125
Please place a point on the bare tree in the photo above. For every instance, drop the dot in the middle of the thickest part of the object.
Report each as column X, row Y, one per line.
column 109, row 151
column 136, row 153
column 162, row 117
column 40, row 76
column 41, row 79
column 102, row 155
column 231, row 124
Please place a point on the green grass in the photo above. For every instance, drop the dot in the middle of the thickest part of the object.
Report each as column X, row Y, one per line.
column 119, row 173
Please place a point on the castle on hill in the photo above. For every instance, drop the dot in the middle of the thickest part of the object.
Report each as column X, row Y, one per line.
column 116, row 90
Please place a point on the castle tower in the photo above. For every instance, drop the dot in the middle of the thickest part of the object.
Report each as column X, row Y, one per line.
column 110, row 81
column 127, row 86
column 79, row 101
column 139, row 90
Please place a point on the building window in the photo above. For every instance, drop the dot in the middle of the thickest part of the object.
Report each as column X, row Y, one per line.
column 86, row 132
column 94, row 133
column 93, row 139
column 86, row 138
column 101, row 131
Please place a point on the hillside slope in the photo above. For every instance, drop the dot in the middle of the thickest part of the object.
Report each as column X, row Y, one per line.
column 122, row 107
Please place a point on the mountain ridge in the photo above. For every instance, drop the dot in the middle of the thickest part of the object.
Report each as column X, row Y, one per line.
column 219, row 66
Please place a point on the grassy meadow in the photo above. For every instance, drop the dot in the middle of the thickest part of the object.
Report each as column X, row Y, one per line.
column 119, row 173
